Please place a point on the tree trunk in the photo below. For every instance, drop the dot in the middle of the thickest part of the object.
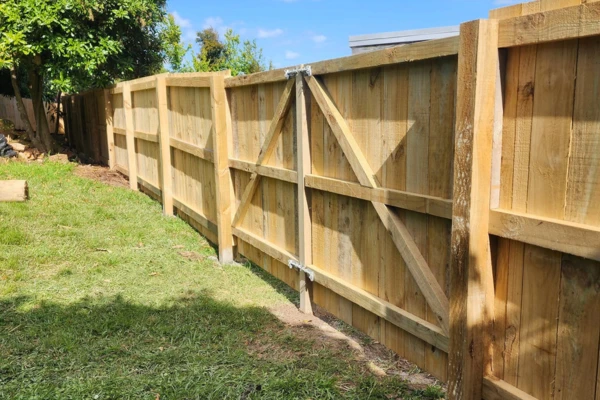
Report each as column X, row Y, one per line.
column 57, row 112
column 36, row 82
column 21, row 106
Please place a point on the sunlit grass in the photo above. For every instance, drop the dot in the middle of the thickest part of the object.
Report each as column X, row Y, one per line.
column 97, row 303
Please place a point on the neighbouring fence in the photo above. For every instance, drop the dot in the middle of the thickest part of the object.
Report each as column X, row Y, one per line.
column 85, row 124
column 445, row 194
column 9, row 111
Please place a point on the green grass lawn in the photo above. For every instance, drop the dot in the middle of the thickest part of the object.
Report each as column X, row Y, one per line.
column 97, row 303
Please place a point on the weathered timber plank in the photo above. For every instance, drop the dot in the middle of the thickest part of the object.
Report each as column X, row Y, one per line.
column 14, row 190
column 555, row 234
column 165, row 146
column 148, row 137
column 192, row 149
column 410, row 201
column 561, row 24
column 497, row 389
column 395, row 55
column 471, row 279
column 221, row 167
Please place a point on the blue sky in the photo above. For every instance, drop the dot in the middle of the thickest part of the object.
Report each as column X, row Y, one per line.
column 292, row 32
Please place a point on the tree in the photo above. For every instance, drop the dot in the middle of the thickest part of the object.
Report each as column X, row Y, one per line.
column 231, row 54
column 70, row 45
column 211, row 49
column 175, row 50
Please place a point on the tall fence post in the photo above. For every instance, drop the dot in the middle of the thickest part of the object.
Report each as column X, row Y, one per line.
column 110, row 134
column 223, row 182
column 304, row 168
column 164, row 146
column 129, row 132
column 471, row 280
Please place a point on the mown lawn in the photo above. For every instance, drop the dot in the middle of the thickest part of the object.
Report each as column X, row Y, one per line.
column 97, row 303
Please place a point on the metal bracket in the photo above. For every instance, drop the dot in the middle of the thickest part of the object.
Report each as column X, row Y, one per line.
column 296, row 265
column 303, row 69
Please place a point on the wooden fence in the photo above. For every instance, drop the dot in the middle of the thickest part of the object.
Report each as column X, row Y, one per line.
column 9, row 111
column 85, row 124
column 445, row 194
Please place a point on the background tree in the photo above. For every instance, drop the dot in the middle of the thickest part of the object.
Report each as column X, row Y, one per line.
column 175, row 50
column 217, row 55
column 70, row 45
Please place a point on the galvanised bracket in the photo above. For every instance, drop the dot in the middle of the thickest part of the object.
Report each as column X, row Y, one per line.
column 303, row 69
column 296, row 265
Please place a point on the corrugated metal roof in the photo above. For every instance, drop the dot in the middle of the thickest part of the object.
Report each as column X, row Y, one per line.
column 403, row 37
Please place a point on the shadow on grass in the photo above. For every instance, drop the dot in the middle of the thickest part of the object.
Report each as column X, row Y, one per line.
column 280, row 287
column 196, row 348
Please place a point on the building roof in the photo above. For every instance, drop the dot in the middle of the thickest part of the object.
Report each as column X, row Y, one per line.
column 388, row 39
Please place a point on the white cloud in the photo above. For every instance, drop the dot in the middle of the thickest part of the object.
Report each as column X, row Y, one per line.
column 182, row 22
column 188, row 33
column 319, row 38
column 213, row 22
column 290, row 55
column 265, row 33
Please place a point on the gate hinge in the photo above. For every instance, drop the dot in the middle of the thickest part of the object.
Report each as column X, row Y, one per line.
column 303, row 268
column 303, row 69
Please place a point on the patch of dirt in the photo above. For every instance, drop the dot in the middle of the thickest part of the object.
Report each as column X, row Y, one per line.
column 326, row 331
column 102, row 174
column 190, row 255
column 25, row 150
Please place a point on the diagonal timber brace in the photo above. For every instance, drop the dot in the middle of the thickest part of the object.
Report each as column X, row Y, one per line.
column 416, row 263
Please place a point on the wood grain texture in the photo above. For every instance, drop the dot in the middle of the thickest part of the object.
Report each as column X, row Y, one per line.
column 555, row 234
column 583, row 181
column 407, row 200
column 539, row 322
column 471, row 281
column 130, row 128
column 165, row 146
column 555, row 25
column 578, row 329
column 401, row 237
column 221, row 168
column 303, row 208
column 551, row 128
column 109, row 120
column 497, row 389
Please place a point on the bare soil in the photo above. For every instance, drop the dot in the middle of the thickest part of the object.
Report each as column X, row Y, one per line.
column 102, row 174
column 323, row 330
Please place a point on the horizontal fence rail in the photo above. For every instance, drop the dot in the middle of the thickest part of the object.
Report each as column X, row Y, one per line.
column 443, row 197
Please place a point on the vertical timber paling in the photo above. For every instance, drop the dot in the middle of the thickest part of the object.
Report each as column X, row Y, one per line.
column 221, row 164
column 165, row 147
column 129, row 131
column 471, row 280
column 110, row 135
column 304, row 165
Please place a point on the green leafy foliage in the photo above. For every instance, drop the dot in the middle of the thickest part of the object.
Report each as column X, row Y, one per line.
column 231, row 54
column 175, row 51
column 77, row 44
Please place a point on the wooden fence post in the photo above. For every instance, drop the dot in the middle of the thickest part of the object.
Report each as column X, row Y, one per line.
column 165, row 146
column 471, row 280
column 221, row 164
column 304, row 168
column 129, row 132
column 110, row 134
